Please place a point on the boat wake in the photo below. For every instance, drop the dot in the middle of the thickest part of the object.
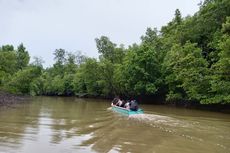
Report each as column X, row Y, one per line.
column 109, row 108
column 160, row 120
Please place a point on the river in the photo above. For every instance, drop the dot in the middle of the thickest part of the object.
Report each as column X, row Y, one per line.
column 70, row 125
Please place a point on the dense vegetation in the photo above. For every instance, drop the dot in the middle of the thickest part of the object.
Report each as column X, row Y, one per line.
column 186, row 60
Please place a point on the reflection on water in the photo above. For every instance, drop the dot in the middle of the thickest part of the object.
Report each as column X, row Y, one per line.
column 50, row 124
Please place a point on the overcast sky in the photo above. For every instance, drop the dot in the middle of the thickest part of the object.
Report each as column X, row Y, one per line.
column 45, row 25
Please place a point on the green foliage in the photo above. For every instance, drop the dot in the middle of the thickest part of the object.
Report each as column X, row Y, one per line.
column 106, row 82
column 220, row 79
column 22, row 81
column 87, row 77
column 178, row 18
column 105, row 47
column 6, row 48
column 186, row 73
column 8, row 60
column 140, row 71
column 57, row 85
column 8, row 64
column 109, row 51
column 22, row 57
column 38, row 61
column 60, row 58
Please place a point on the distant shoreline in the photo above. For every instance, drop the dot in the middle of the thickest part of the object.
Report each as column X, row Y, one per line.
column 8, row 99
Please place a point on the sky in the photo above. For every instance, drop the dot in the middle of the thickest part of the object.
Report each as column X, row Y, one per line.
column 45, row 25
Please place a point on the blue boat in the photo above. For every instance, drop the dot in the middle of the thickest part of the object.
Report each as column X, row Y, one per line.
column 125, row 111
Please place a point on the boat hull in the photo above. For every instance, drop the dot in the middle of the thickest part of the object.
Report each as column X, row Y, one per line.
column 126, row 111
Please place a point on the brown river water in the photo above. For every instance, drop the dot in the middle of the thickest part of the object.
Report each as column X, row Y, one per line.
column 70, row 125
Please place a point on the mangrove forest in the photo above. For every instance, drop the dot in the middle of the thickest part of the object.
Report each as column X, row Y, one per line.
column 186, row 60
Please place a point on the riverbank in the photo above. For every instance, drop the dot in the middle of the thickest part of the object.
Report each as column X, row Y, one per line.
column 7, row 99
column 160, row 100
column 223, row 108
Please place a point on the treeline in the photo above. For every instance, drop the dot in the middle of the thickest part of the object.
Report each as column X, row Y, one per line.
column 186, row 60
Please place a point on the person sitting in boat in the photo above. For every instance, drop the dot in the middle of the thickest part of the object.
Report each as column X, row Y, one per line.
column 119, row 103
column 123, row 103
column 127, row 105
column 133, row 105
column 115, row 100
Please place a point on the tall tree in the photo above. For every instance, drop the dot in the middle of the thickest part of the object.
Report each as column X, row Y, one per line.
column 8, row 63
column 60, row 59
column 106, row 48
column 178, row 18
column 38, row 62
column 60, row 56
column 23, row 57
